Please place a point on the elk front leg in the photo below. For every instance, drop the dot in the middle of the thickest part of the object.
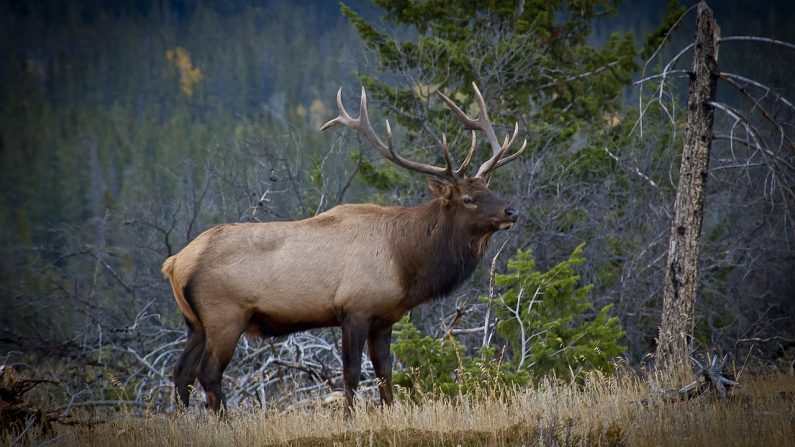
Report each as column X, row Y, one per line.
column 354, row 333
column 378, row 345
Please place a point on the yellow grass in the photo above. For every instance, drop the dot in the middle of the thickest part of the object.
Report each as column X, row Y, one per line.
column 603, row 412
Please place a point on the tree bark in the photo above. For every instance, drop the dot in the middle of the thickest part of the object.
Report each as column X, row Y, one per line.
column 681, row 274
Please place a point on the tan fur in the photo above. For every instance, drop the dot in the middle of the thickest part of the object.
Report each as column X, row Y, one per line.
column 308, row 272
column 178, row 289
column 293, row 272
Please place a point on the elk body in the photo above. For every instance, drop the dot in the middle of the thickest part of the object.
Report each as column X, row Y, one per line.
column 361, row 267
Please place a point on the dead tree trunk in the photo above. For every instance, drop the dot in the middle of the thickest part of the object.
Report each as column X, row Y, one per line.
column 681, row 277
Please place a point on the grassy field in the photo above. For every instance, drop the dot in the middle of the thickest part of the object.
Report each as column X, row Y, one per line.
column 603, row 412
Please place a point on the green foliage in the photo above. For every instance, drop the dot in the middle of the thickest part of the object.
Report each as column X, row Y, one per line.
column 544, row 314
column 441, row 367
column 533, row 64
column 457, row 40
column 382, row 178
column 673, row 12
column 543, row 318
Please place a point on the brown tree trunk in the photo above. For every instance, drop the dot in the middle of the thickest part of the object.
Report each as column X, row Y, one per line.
column 681, row 276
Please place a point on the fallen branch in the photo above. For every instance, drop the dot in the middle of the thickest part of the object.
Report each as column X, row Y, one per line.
column 312, row 370
column 103, row 403
column 709, row 380
column 18, row 415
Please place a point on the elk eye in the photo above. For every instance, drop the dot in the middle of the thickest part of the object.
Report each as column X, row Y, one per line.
column 467, row 199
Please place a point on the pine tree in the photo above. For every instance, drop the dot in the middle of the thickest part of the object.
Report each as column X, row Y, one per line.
column 545, row 319
column 534, row 60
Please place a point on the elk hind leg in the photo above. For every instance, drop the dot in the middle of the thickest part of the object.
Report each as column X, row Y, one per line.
column 218, row 351
column 186, row 368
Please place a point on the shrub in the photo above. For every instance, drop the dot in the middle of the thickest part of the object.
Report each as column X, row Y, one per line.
column 544, row 319
column 441, row 367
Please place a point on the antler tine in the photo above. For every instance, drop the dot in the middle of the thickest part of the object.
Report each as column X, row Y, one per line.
column 484, row 124
column 465, row 165
column 363, row 116
column 505, row 160
column 448, row 158
column 491, row 164
column 343, row 116
column 469, row 123
column 362, row 125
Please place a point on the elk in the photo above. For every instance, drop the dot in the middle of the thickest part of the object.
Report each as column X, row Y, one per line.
column 361, row 267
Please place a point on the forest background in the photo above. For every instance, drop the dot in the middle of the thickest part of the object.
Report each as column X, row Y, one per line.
column 127, row 128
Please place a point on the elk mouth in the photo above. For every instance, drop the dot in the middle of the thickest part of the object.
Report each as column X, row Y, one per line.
column 505, row 225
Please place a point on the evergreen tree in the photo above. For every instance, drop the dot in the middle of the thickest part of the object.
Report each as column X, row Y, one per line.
column 430, row 366
column 544, row 317
column 532, row 58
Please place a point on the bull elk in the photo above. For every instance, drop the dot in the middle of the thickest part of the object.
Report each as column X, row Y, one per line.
column 361, row 267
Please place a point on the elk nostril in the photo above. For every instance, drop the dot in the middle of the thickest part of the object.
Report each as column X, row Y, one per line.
column 511, row 213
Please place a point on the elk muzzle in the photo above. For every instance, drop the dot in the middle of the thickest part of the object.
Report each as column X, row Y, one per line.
column 510, row 216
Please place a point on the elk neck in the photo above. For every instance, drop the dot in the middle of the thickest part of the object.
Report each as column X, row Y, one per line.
column 436, row 251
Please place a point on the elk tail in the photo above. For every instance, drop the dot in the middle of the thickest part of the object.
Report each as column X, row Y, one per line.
column 179, row 287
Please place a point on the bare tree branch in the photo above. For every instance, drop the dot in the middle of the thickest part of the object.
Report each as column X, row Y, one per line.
column 757, row 39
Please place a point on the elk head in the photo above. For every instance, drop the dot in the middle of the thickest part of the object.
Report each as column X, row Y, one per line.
column 474, row 203
column 468, row 197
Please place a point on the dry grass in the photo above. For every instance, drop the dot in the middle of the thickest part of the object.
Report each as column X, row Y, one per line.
column 603, row 412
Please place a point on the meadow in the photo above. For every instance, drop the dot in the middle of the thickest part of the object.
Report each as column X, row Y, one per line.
column 603, row 411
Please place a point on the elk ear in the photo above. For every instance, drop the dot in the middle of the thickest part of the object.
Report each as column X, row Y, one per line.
column 440, row 189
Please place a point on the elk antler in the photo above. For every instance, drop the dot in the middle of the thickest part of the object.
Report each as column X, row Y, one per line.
column 362, row 125
column 484, row 124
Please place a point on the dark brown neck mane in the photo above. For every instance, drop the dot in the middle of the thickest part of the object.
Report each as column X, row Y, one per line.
column 436, row 251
